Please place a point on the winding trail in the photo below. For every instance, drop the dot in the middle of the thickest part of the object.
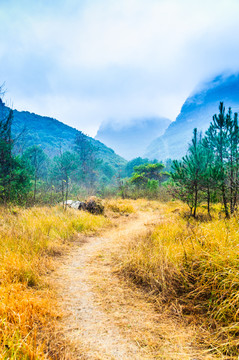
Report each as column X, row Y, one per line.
column 105, row 318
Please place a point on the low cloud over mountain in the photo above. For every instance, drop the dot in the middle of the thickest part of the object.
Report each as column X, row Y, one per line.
column 131, row 139
column 196, row 112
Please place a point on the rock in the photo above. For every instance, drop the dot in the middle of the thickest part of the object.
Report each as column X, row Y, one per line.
column 68, row 203
column 82, row 205
column 94, row 206
column 75, row 204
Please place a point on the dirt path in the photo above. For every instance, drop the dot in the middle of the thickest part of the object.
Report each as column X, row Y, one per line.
column 105, row 318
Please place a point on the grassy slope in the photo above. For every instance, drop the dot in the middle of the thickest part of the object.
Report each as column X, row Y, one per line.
column 30, row 240
column 189, row 266
column 192, row 266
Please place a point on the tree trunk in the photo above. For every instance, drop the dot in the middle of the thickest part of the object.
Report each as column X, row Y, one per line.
column 67, row 185
column 231, row 186
column 35, row 189
column 208, row 201
column 195, row 201
column 235, row 194
column 62, row 191
column 225, row 202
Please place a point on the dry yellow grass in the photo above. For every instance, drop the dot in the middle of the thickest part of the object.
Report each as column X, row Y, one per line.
column 108, row 318
column 157, row 334
column 189, row 267
column 192, row 267
column 30, row 239
column 119, row 206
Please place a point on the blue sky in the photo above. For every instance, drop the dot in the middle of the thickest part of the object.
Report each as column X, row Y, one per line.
column 88, row 61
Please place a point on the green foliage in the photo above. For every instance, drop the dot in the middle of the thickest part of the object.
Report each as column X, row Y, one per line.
column 168, row 165
column 129, row 168
column 52, row 135
column 150, row 171
column 87, row 155
column 14, row 178
column 152, row 187
column 144, row 182
column 139, row 179
column 145, row 172
column 77, row 164
column 188, row 173
column 210, row 169
column 36, row 161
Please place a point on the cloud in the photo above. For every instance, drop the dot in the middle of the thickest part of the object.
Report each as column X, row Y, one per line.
column 89, row 61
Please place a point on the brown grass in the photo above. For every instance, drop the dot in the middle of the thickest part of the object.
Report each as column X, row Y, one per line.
column 119, row 207
column 158, row 335
column 191, row 266
column 30, row 240
column 187, row 268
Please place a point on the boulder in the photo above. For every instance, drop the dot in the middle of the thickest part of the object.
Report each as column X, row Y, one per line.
column 94, row 206
column 82, row 205
column 75, row 204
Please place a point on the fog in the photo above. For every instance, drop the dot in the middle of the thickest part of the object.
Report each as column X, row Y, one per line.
column 119, row 60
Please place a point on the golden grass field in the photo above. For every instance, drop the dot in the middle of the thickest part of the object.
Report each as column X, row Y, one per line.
column 191, row 266
column 30, row 241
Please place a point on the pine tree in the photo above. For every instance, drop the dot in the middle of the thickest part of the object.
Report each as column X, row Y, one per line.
column 211, row 165
column 14, row 179
column 88, row 162
column 219, row 142
column 188, row 174
column 62, row 170
column 211, row 175
column 36, row 161
column 232, row 163
column 182, row 187
column 6, row 158
column 236, row 161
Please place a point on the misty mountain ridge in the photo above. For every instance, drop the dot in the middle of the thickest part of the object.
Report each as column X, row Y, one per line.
column 53, row 136
column 196, row 112
column 155, row 137
column 131, row 139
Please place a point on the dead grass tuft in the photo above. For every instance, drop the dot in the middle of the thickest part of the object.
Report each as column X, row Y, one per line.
column 122, row 207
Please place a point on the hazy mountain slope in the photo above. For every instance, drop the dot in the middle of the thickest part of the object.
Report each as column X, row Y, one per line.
column 52, row 135
column 197, row 111
column 131, row 140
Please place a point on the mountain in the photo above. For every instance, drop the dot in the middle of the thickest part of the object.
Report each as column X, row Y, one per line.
column 53, row 136
column 131, row 140
column 196, row 112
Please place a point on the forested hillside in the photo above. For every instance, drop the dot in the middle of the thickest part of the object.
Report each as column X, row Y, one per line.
column 42, row 159
column 52, row 135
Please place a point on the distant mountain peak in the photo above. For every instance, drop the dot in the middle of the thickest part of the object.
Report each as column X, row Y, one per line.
column 197, row 111
column 132, row 138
